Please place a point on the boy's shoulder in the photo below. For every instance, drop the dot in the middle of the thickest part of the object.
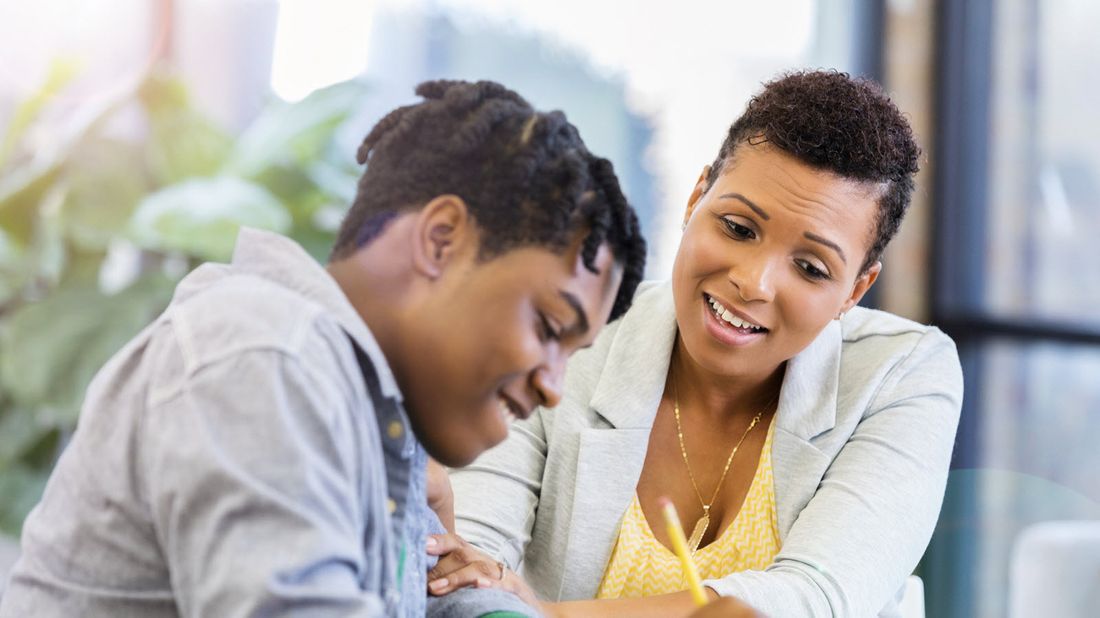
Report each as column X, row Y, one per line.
column 226, row 312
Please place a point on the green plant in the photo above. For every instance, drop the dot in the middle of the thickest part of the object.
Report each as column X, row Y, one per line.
column 79, row 205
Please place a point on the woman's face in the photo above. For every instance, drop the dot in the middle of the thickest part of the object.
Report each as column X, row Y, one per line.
column 770, row 253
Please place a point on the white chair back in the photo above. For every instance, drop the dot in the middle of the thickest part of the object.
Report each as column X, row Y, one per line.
column 912, row 600
column 1055, row 570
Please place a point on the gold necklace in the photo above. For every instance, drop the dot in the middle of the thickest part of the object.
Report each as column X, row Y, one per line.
column 704, row 522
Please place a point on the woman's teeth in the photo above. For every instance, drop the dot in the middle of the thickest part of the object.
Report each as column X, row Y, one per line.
column 724, row 314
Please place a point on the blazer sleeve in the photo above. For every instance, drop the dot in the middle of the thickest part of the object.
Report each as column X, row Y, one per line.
column 866, row 527
column 497, row 496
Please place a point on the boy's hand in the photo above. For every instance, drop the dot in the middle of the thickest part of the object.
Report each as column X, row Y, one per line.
column 461, row 565
column 441, row 497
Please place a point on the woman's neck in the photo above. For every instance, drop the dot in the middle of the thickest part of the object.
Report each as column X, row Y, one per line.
column 721, row 396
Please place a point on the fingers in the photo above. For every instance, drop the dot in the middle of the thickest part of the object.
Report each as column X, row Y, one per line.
column 440, row 544
column 450, row 563
column 482, row 575
column 455, row 554
column 461, row 565
column 479, row 574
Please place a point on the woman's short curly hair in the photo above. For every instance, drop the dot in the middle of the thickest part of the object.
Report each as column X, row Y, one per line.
column 526, row 177
column 837, row 123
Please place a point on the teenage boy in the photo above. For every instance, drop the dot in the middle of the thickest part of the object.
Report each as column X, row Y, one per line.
column 260, row 449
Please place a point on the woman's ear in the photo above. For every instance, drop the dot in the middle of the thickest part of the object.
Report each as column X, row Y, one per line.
column 862, row 284
column 696, row 194
column 442, row 230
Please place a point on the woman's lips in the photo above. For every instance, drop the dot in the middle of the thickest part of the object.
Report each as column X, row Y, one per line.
column 725, row 332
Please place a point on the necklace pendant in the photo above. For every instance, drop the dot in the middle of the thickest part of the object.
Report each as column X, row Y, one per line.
column 697, row 532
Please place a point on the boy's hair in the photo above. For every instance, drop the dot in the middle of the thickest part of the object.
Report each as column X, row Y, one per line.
column 837, row 123
column 526, row 177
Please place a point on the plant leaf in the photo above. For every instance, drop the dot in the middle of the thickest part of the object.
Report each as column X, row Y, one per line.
column 52, row 348
column 294, row 134
column 21, row 487
column 61, row 72
column 183, row 143
column 12, row 268
column 106, row 180
column 21, row 191
column 22, row 188
column 201, row 217
column 20, row 431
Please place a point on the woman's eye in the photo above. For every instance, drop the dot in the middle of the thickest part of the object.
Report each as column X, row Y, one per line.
column 739, row 231
column 812, row 271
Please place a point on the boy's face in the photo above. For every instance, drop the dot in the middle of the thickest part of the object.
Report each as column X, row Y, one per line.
column 488, row 342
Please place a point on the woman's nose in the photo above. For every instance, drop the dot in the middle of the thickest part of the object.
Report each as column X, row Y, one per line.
column 753, row 279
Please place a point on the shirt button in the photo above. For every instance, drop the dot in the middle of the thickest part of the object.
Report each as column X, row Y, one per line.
column 391, row 506
column 396, row 429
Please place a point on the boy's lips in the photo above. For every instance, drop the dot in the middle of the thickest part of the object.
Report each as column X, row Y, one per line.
column 511, row 409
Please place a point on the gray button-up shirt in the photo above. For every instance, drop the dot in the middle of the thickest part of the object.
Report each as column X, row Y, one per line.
column 239, row 457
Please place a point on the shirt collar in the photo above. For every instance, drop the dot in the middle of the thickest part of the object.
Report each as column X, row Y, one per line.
column 280, row 259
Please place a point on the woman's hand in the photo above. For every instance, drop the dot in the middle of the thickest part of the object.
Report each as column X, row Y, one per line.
column 461, row 565
column 441, row 497
column 725, row 607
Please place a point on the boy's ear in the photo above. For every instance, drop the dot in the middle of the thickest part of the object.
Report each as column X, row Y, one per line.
column 442, row 229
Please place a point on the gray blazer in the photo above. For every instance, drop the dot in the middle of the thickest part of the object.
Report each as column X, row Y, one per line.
column 864, row 432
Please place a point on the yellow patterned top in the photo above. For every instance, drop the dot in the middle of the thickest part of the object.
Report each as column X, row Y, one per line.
column 641, row 567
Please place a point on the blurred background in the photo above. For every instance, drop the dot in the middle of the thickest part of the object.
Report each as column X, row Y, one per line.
column 136, row 136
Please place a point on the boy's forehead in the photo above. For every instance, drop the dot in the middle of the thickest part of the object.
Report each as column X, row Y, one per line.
column 567, row 261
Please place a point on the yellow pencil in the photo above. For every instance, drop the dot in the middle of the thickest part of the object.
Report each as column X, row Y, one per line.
column 680, row 546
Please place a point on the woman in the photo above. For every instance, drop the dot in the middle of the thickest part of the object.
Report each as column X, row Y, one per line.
column 803, row 440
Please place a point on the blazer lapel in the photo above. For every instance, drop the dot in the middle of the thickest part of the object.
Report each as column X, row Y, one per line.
column 807, row 408
column 610, row 459
column 633, row 377
column 609, row 463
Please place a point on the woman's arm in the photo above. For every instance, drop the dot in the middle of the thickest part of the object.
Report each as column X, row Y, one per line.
column 870, row 520
column 675, row 605
column 441, row 498
column 464, row 566
column 493, row 507
column 496, row 497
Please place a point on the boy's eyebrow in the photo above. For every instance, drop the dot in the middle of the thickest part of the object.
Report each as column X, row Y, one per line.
column 737, row 196
column 581, row 327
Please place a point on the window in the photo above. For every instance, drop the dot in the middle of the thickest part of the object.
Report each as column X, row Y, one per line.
column 1018, row 173
column 640, row 95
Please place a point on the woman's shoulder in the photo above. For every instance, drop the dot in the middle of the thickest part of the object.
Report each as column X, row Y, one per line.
column 879, row 341
column 862, row 322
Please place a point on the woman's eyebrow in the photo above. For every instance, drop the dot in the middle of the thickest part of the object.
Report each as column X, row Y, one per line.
column 828, row 243
column 737, row 196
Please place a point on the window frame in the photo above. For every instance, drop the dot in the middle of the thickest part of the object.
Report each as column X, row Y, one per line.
column 965, row 39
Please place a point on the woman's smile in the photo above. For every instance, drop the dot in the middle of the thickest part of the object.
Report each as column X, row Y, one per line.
column 728, row 327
